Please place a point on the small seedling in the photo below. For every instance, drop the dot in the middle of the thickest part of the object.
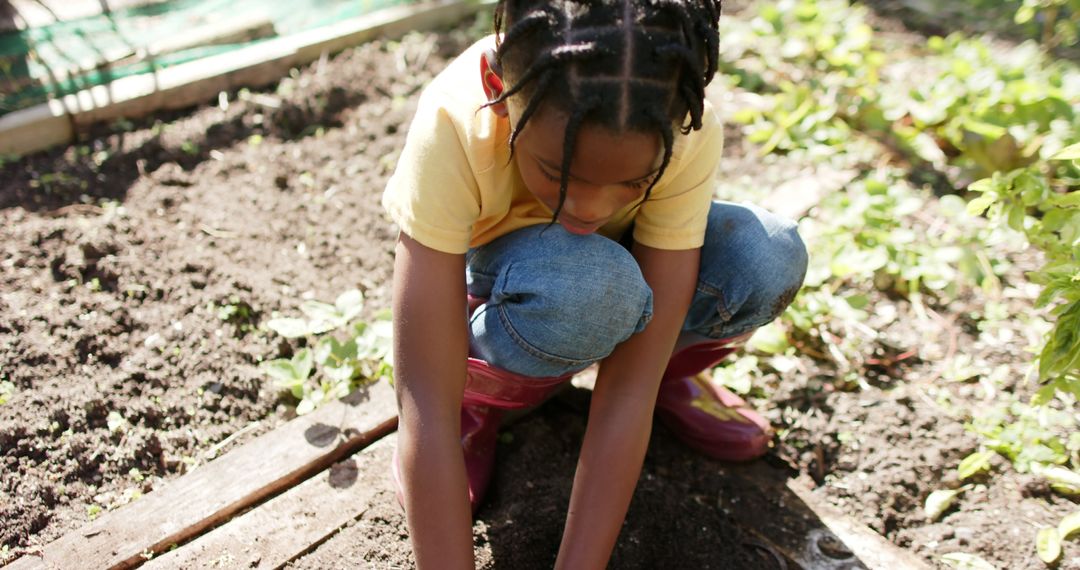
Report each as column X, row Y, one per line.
column 978, row 462
column 6, row 390
column 335, row 365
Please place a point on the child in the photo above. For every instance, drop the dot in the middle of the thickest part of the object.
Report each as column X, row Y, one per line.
column 555, row 204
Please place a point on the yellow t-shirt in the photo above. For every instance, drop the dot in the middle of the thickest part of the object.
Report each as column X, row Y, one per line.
column 455, row 186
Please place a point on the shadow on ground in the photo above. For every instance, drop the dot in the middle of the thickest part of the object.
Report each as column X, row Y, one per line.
column 688, row 511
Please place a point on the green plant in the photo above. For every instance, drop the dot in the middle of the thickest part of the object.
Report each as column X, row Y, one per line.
column 6, row 159
column 978, row 106
column 1052, row 191
column 6, row 390
column 1048, row 540
column 796, row 118
column 979, row 110
column 1029, row 435
column 815, row 62
column 332, row 366
column 235, row 311
column 1059, row 20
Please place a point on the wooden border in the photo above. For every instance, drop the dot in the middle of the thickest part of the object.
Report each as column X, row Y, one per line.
column 187, row 507
column 56, row 121
column 291, row 524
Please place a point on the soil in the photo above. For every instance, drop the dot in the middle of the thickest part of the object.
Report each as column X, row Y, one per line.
column 137, row 266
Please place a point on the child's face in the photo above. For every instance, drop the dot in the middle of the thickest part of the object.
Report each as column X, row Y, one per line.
column 608, row 172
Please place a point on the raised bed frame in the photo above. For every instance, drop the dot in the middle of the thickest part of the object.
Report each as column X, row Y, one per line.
column 59, row 120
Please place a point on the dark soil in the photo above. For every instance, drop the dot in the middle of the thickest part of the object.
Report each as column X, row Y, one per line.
column 117, row 256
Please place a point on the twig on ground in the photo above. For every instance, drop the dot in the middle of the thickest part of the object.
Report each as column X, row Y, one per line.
column 213, row 451
column 218, row 233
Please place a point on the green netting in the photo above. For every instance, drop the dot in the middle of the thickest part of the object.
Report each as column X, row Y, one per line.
column 53, row 60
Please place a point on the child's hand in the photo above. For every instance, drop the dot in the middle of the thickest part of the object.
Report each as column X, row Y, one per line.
column 620, row 416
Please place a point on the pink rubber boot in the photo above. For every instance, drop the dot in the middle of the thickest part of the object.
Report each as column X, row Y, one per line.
column 488, row 391
column 706, row 416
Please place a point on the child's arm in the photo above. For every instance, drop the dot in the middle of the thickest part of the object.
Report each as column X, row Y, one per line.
column 430, row 350
column 620, row 416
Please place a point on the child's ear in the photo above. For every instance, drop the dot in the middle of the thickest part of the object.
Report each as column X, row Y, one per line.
column 491, row 80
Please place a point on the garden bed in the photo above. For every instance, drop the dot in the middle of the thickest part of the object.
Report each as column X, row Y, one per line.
column 137, row 266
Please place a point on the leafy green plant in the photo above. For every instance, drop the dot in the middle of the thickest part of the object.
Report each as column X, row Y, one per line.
column 979, row 107
column 329, row 367
column 978, row 110
column 1059, row 20
column 1052, row 191
column 796, row 118
column 937, row 502
column 738, row 376
column 815, row 61
column 974, row 464
column 1048, row 540
column 871, row 233
column 235, row 311
column 6, row 390
column 1028, row 435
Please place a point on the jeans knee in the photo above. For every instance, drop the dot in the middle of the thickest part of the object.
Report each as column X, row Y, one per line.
column 788, row 247
column 790, row 273
column 572, row 311
column 753, row 265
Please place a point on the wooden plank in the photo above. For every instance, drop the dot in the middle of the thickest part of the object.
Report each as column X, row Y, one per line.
column 291, row 524
column 800, row 527
column 198, row 81
column 202, row 35
column 868, row 546
column 215, row 492
column 36, row 128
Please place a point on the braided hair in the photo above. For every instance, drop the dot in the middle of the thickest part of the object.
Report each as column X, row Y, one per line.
column 626, row 65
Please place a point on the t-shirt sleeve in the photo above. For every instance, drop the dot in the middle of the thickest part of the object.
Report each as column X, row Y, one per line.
column 675, row 217
column 433, row 195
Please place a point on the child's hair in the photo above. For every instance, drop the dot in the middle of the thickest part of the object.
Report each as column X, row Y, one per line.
column 627, row 65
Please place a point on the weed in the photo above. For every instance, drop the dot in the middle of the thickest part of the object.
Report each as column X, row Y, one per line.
column 236, row 312
column 333, row 366
column 6, row 390
column 1059, row 20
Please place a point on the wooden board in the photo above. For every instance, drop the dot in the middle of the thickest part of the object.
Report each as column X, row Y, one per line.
column 226, row 32
column 786, row 516
column 37, row 128
column 289, row 525
column 215, row 492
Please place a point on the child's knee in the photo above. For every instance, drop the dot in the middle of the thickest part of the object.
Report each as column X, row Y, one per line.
column 570, row 311
column 790, row 257
column 753, row 264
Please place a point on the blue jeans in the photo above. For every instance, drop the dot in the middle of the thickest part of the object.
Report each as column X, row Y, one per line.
column 558, row 302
